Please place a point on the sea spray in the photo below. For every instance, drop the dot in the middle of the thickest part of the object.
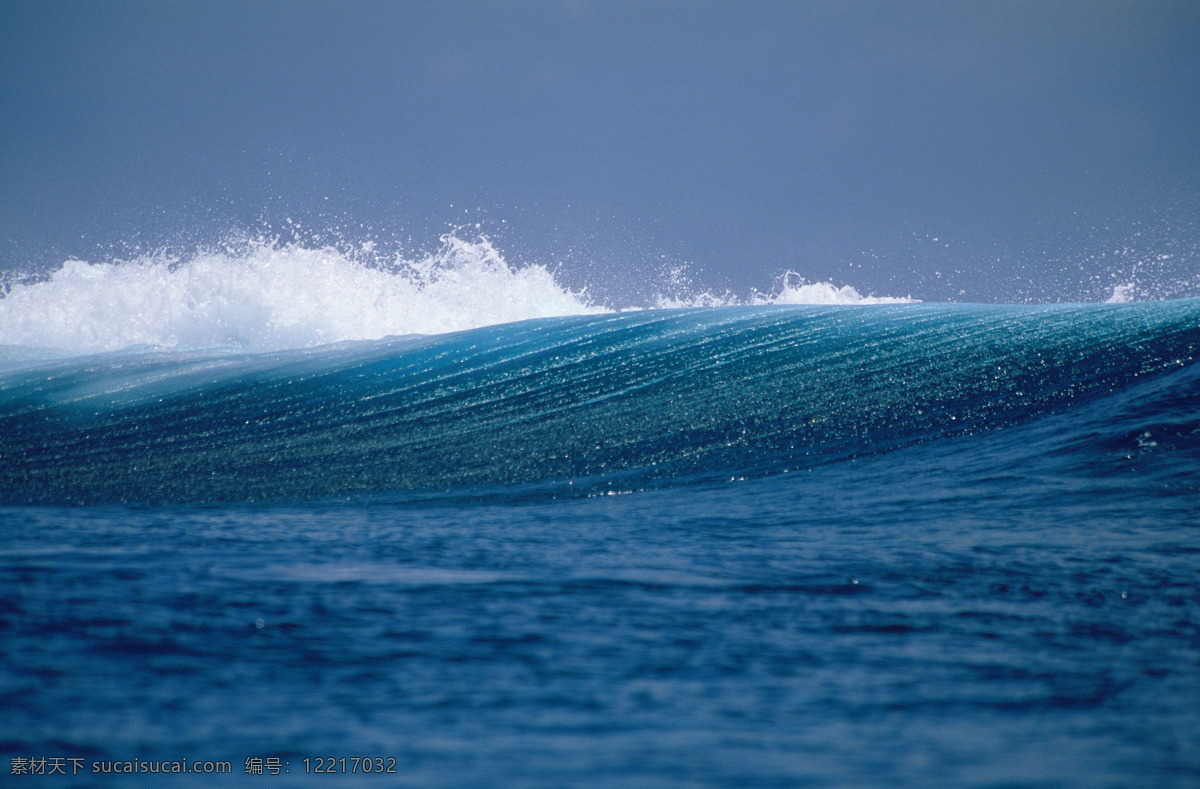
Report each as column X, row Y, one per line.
column 264, row 296
column 267, row 295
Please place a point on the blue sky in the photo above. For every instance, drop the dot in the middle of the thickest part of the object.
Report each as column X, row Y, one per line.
column 951, row 150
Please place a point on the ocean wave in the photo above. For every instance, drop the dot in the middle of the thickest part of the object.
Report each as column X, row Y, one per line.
column 585, row 403
column 262, row 295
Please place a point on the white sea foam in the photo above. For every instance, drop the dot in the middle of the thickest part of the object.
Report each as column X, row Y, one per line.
column 793, row 289
column 1122, row 294
column 790, row 288
column 261, row 295
column 264, row 296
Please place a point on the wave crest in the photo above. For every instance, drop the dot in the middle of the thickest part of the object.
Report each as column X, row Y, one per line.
column 263, row 296
column 790, row 288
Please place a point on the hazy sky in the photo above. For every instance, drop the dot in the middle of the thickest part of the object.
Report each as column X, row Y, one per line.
column 966, row 150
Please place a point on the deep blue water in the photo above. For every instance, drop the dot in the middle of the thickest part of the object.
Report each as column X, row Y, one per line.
column 918, row 545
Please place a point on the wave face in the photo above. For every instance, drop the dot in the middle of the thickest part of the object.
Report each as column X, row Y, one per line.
column 596, row 403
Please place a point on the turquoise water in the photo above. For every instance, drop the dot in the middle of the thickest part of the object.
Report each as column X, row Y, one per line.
column 936, row 545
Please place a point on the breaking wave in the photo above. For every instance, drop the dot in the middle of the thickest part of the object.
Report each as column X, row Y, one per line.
column 263, row 296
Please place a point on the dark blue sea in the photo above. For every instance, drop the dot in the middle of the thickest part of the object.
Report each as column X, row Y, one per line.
column 921, row 545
